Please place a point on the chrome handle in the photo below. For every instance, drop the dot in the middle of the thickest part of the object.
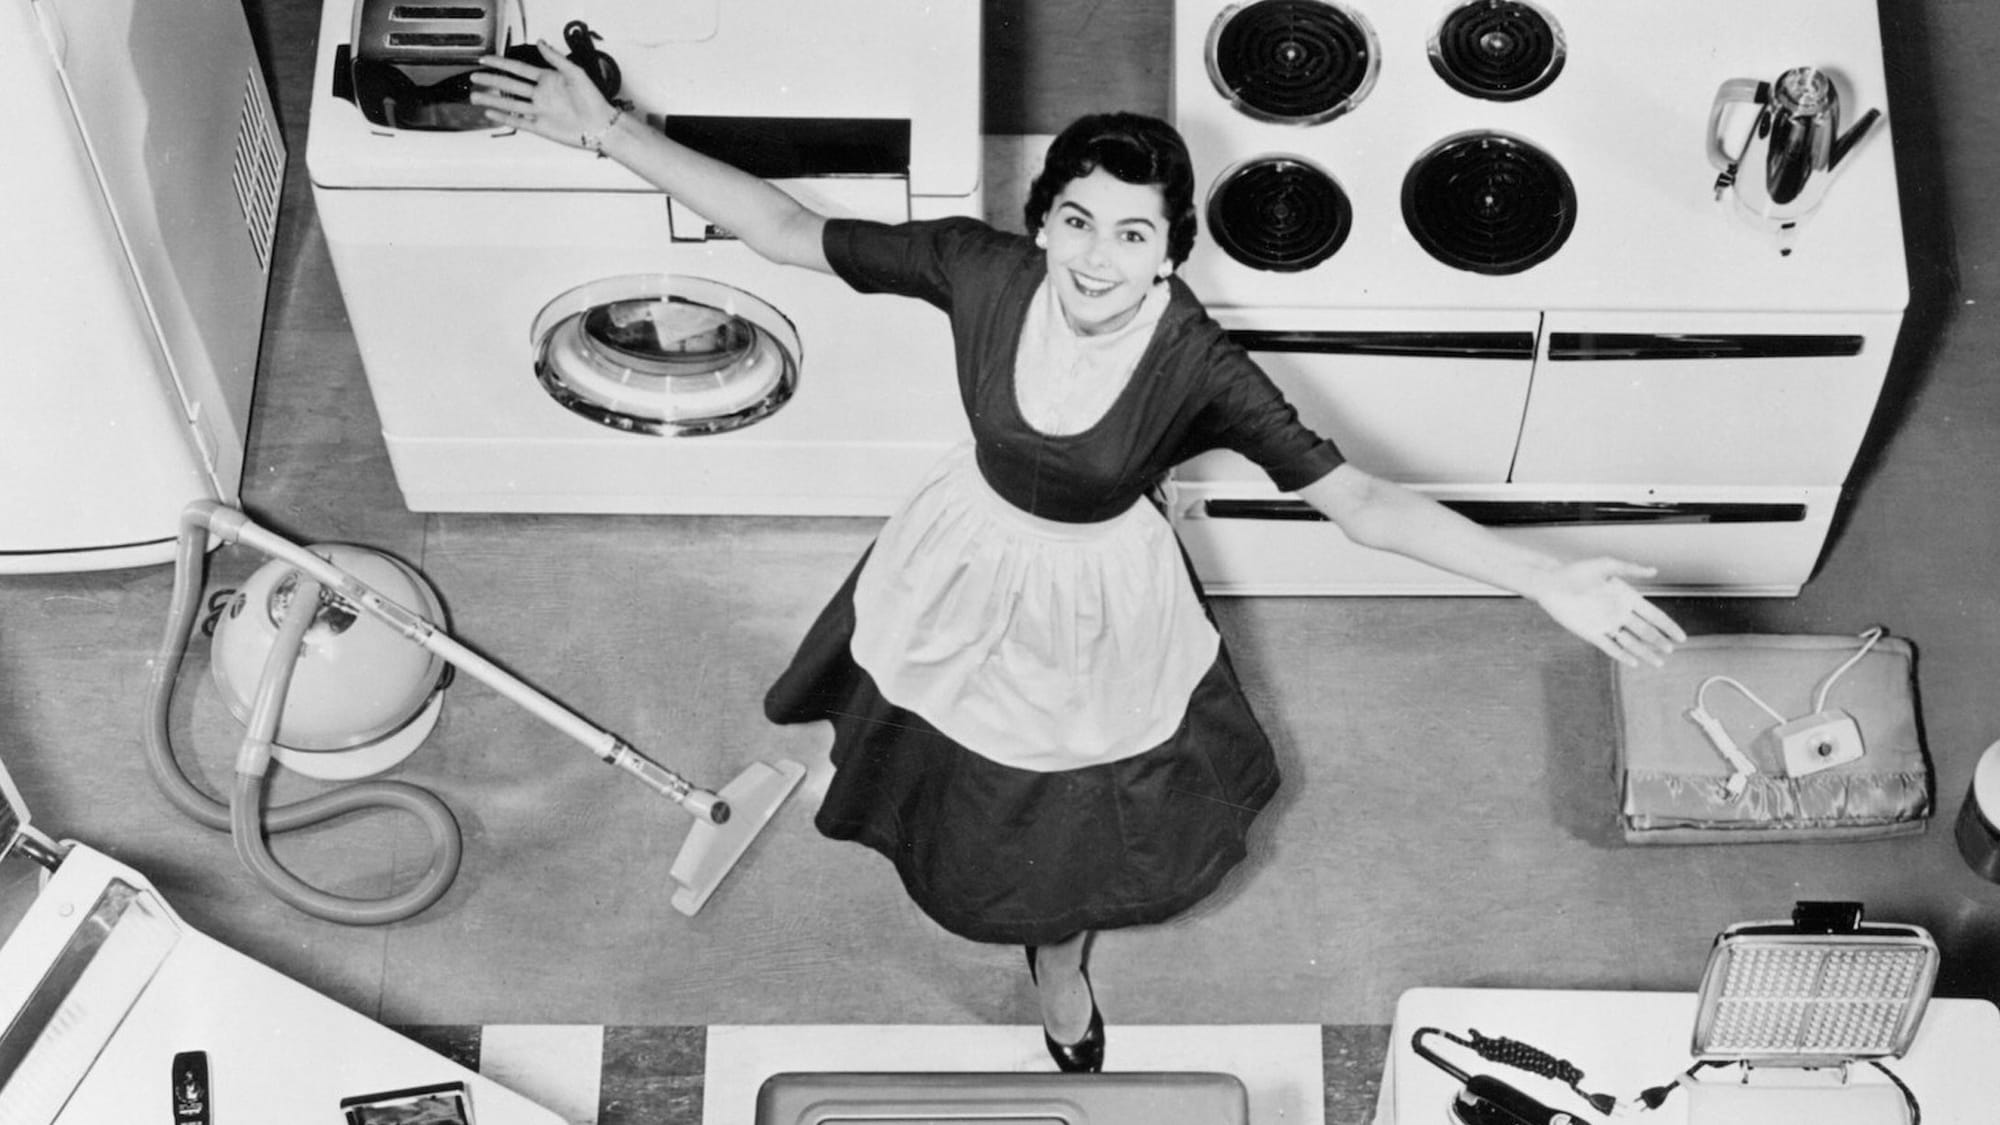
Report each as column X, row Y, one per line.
column 1735, row 92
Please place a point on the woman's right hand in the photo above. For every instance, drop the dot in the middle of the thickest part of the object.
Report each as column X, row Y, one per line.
column 559, row 102
column 562, row 104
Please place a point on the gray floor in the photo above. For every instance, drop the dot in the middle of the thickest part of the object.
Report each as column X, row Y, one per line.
column 1448, row 813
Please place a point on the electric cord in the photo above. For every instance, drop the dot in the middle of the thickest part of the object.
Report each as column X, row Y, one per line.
column 1656, row 1096
column 1702, row 717
column 246, row 817
column 1731, row 681
column 1909, row 1095
column 1534, row 1060
column 1820, row 692
column 1868, row 640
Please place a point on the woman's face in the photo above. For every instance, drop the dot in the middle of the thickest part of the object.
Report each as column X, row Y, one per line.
column 1106, row 242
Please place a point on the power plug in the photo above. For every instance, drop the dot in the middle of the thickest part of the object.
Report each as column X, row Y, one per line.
column 1726, row 746
column 1816, row 742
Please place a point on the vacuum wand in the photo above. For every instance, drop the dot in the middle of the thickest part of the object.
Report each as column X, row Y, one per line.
column 233, row 526
column 667, row 783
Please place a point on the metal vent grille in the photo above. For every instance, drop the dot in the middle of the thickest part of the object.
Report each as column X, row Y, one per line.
column 258, row 168
column 1819, row 1001
column 1803, row 998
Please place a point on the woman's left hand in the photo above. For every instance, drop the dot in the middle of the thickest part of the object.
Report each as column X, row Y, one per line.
column 1592, row 599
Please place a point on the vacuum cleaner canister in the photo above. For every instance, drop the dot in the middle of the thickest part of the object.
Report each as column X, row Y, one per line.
column 362, row 697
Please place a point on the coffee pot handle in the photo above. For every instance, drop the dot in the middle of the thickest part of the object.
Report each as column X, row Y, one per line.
column 1723, row 150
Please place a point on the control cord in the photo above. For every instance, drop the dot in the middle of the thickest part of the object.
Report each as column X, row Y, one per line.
column 1656, row 1096
column 1820, row 692
column 1534, row 1060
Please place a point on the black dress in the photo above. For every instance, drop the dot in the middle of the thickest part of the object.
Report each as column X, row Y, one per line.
column 1019, row 826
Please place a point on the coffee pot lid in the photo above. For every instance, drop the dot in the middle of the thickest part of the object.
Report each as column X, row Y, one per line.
column 1805, row 89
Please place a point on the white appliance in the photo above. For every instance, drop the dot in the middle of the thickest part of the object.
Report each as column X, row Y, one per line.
column 112, row 1008
column 1480, row 245
column 1628, row 1042
column 138, row 203
column 458, row 251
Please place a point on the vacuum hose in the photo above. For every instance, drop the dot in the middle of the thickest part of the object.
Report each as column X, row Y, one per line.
column 245, row 816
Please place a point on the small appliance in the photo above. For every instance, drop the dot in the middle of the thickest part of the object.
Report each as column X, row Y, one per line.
column 138, row 211
column 1778, row 145
column 347, row 682
column 410, row 65
column 407, row 63
column 1792, row 1007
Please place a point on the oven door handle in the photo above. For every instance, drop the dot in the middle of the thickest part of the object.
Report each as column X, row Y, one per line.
column 1536, row 513
column 1563, row 346
column 1573, row 347
column 1515, row 346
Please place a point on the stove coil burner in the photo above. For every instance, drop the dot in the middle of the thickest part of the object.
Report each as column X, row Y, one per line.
column 1279, row 214
column 1501, row 50
column 1296, row 62
column 1488, row 203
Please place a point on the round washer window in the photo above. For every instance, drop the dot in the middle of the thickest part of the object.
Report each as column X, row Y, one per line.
column 660, row 354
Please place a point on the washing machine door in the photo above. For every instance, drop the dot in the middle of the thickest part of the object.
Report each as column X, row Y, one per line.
column 669, row 355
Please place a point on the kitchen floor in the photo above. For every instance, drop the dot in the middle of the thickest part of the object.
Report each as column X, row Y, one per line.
column 1448, row 812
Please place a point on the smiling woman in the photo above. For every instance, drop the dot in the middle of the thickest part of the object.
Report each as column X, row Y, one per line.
column 1106, row 249
column 1033, row 715
column 1113, row 212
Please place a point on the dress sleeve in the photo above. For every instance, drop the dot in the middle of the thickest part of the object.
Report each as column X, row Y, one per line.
column 1246, row 412
column 925, row 259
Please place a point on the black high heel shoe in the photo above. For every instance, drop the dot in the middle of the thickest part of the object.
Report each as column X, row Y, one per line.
column 1086, row 1055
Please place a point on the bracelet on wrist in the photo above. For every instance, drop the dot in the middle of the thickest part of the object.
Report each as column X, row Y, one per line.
column 595, row 141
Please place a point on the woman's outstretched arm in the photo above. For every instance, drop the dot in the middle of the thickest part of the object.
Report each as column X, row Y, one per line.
column 563, row 105
column 1589, row 597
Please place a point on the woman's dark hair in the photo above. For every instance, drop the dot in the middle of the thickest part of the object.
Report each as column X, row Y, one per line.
column 1133, row 147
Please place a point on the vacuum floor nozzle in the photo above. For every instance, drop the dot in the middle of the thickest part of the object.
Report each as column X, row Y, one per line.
column 713, row 847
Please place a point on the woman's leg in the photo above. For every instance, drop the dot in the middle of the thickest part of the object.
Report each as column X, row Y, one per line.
column 1063, row 989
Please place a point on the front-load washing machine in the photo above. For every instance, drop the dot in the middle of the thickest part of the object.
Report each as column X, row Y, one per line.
column 543, row 331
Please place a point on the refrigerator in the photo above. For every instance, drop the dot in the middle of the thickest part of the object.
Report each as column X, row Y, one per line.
column 139, row 199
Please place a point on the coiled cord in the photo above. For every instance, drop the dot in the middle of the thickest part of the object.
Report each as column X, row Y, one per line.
column 246, row 817
column 1534, row 1060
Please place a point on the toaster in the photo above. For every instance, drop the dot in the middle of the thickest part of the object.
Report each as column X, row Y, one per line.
column 409, row 62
